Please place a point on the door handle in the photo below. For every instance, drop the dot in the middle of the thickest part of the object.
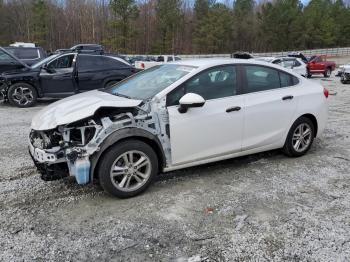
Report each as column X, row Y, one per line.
column 234, row 108
column 287, row 97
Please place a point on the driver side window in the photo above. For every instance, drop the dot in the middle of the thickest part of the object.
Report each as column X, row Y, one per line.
column 62, row 62
column 214, row 83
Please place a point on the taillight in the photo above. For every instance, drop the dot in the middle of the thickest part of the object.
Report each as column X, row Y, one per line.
column 325, row 92
column 142, row 65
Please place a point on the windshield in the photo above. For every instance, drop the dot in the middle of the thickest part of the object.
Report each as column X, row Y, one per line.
column 150, row 82
column 44, row 61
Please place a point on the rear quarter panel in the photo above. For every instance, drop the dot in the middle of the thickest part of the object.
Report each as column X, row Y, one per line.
column 312, row 101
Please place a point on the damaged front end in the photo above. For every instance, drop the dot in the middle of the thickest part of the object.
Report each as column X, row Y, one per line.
column 62, row 151
column 70, row 149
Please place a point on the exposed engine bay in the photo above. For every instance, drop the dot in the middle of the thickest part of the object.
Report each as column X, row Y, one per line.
column 70, row 149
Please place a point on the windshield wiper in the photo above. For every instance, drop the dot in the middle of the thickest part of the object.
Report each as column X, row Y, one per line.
column 121, row 95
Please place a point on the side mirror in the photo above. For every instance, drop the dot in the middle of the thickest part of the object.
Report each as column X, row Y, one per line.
column 190, row 100
column 49, row 70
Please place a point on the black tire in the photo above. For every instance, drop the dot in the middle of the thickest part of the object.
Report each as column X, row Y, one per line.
column 29, row 95
column 308, row 74
column 327, row 73
column 342, row 79
column 288, row 148
column 112, row 155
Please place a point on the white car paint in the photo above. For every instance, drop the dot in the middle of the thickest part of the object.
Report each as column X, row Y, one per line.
column 208, row 133
column 77, row 107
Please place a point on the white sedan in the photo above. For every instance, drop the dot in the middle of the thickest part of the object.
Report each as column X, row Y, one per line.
column 296, row 64
column 174, row 116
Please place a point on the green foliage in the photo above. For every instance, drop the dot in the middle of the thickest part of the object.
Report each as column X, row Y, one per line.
column 281, row 25
column 319, row 24
column 168, row 13
column 213, row 32
column 39, row 22
column 244, row 25
column 124, row 11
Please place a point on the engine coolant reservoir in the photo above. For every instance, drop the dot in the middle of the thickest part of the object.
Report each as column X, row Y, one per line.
column 82, row 171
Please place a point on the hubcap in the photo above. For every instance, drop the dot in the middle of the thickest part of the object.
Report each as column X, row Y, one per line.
column 302, row 137
column 131, row 170
column 22, row 95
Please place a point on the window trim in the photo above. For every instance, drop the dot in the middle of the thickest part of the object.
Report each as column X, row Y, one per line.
column 245, row 83
column 238, row 82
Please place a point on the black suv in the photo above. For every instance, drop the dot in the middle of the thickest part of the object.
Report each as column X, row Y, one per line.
column 62, row 75
column 9, row 62
column 28, row 55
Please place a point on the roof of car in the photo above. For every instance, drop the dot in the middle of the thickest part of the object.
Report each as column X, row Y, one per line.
column 208, row 62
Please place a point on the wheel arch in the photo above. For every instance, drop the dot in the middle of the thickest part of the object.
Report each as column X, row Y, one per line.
column 123, row 135
column 313, row 120
column 18, row 81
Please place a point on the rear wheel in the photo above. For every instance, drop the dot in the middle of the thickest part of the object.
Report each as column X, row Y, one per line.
column 22, row 95
column 300, row 137
column 128, row 168
column 327, row 73
column 308, row 74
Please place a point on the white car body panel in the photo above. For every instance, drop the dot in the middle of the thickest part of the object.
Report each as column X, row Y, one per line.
column 203, row 134
column 267, row 117
column 77, row 107
column 206, row 131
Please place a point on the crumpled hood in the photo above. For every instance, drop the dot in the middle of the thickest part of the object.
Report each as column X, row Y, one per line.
column 77, row 107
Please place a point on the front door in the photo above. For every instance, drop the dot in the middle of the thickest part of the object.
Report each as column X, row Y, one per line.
column 214, row 129
column 57, row 79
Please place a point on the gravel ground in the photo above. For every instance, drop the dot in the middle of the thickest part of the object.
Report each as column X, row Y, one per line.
column 258, row 208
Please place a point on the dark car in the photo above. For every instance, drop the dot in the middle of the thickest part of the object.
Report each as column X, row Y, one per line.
column 62, row 75
column 9, row 62
column 83, row 48
column 28, row 55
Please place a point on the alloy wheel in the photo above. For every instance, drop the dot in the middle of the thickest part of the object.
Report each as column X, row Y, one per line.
column 302, row 137
column 130, row 171
column 22, row 95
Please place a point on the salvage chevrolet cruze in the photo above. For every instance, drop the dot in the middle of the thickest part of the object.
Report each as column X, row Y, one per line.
column 173, row 116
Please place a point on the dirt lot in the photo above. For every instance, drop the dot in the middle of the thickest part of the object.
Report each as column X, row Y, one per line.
column 258, row 208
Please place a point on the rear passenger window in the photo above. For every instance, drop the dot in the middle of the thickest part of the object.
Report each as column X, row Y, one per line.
column 27, row 53
column 94, row 62
column 261, row 78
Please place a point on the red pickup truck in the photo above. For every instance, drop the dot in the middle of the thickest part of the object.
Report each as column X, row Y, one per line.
column 318, row 64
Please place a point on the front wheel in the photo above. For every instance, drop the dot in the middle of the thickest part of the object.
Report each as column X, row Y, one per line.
column 128, row 168
column 22, row 95
column 300, row 137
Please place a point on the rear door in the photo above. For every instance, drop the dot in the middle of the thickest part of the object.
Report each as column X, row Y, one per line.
column 270, row 102
column 58, row 80
column 96, row 71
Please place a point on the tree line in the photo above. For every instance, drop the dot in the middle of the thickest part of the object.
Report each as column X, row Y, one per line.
column 177, row 26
